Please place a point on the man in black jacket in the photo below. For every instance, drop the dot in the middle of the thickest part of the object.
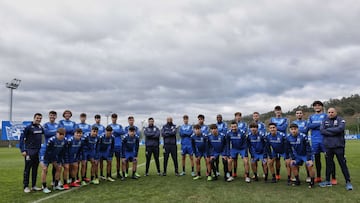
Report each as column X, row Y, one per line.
column 152, row 138
column 168, row 132
column 332, row 128
column 30, row 144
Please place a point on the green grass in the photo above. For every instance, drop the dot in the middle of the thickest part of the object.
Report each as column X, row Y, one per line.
column 180, row 189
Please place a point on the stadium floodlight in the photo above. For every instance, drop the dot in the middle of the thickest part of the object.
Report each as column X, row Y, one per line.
column 14, row 84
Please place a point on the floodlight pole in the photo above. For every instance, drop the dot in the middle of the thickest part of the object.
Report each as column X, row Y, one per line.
column 14, row 84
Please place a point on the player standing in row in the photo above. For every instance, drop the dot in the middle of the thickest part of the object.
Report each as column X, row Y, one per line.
column 261, row 125
column 131, row 122
column 168, row 132
column 300, row 152
column 106, row 151
column 152, row 142
column 276, row 147
column 73, row 156
column 55, row 153
column 185, row 132
column 317, row 145
column 30, row 144
column 217, row 147
column 130, row 149
column 256, row 142
column 118, row 132
column 199, row 147
column 281, row 122
column 89, row 153
column 86, row 129
column 68, row 124
column 50, row 129
column 237, row 145
column 101, row 132
column 241, row 125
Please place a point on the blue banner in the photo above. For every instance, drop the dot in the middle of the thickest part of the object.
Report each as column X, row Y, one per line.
column 352, row 137
column 12, row 130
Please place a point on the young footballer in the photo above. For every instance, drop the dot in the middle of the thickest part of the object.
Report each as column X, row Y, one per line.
column 300, row 152
column 256, row 141
column 106, row 151
column 74, row 149
column 130, row 149
column 241, row 125
column 281, row 122
column 54, row 154
column 131, row 122
column 217, row 147
column 185, row 133
column 118, row 133
column 199, row 147
column 90, row 153
column 276, row 147
column 237, row 145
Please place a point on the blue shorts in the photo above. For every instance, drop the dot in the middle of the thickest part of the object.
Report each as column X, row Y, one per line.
column 117, row 152
column 215, row 154
column 317, row 147
column 256, row 157
column 42, row 155
column 130, row 156
column 72, row 158
column 186, row 149
column 87, row 155
column 279, row 155
column 299, row 160
column 105, row 155
column 200, row 154
column 235, row 152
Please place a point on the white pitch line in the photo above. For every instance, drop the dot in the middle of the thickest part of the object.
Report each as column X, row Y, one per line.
column 73, row 189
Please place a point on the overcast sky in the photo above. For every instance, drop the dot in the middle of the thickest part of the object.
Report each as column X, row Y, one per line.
column 169, row 58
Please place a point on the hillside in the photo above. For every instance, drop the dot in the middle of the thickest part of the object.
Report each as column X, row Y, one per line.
column 348, row 107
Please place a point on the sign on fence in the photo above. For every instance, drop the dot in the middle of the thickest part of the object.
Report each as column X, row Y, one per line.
column 12, row 130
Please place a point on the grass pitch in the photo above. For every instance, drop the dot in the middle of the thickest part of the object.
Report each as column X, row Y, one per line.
column 181, row 189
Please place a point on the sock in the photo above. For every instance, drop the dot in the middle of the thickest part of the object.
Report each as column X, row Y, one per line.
column 255, row 174
column 297, row 178
column 266, row 176
column 235, row 169
column 247, row 174
column 56, row 183
column 92, row 177
column 118, row 172
column 289, row 177
column 123, row 174
column 192, row 169
column 183, row 168
column 277, row 171
column 273, row 175
column 44, row 185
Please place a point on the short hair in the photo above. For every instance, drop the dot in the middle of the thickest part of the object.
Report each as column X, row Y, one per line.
column 272, row 124
column 83, row 115
column 78, row 130
column 67, row 111
column 233, row 122
column 201, row 116
column 130, row 117
column 95, row 128
column 219, row 116
column 114, row 115
column 151, row 118
column 277, row 108
column 37, row 114
column 197, row 126
column 132, row 129
column 53, row 112
column 317, row 102
column 253, row 125
column 256, row 113
column 293, row 125
column 237, row 113
column 61, row 131
column 185, row 116
column 213, row 126
column 109, row 128
column 97, row 116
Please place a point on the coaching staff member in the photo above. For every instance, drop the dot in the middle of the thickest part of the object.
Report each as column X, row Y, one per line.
column 168, row 132
column 152, row 139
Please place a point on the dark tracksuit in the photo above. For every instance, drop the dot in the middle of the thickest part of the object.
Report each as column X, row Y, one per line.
column 332, row 130
column 168, row 133
column 152, row 139
column 30, row 142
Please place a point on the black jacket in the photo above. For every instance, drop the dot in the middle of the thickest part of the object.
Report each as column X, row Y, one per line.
column 333, row 133
column 152, row 136
column 168, row 132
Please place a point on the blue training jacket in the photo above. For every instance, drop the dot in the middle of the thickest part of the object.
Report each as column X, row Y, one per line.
column 185, row 132
column 299, row 145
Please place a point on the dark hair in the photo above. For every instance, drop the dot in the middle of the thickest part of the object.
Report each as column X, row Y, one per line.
column 213, row 126
column 277, row 108
column 293, row 125
column 197, row 126
column 130, row 117
column 219, row 116
column 317, row 102
column 272, row 124
column 114, row 115
column 78, row 130
column 61, row 131
column 95, row 128
column 37, row 114
column 233, row 122
column 97, row 116
column 256, row 112
column 151, row 118
column 185, row 116
column 109, row 128
column 53, row 112
column 201, row 116
column 237, row 113
column 132, row 128
column 83, row 115
column 67, row 111
column 253, row 125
